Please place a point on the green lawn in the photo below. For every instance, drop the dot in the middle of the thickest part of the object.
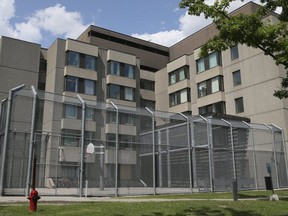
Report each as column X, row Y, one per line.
column 172, row 208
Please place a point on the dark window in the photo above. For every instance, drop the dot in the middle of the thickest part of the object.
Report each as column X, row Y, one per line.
column 237, row 78
column 43, row 65
column 124, row 118
column 234, row 52
column 80, row 60
column 121, row 92
column 218, row 108
column 147, row 84
column 212, row 60
column 179, row 75
column 239, row 105
column 179, row 97
column 80, row 85
column 210, row 86
column 121, row 69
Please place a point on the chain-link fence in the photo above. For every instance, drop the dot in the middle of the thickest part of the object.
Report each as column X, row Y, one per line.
column 136, row 150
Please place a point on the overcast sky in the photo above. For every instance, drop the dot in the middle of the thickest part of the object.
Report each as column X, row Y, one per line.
column 42, row 21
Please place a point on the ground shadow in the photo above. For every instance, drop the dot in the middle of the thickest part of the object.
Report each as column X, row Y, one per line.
column 205, row 211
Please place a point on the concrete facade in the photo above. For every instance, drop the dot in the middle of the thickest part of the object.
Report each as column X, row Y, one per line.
column 170, row 79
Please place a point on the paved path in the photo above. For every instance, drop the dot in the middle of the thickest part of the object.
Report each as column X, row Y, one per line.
column 4, row 200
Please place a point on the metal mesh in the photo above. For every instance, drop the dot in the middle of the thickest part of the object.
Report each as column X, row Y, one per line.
column 137, row 150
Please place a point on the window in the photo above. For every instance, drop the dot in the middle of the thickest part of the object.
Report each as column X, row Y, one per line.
column 179, row 97
column 115, row 68
column 239, row 105
column 210, row 86
column 71, row 137
column 71, row 84
column 212, row 60
column 89, row 87
column 237, row 78
column 215, row 85
column 122, row 69
column 218, row 108
column 89, row 113
column 234, row 52
column 90, row 62
column 129, row 71
column 128, row 93
column 70, row 111
column 81, row 60
column 73, row 59
column 124, row 118
column 121, row 92
column 80, row 85
column 179, row 75
column 147, row 84
column 200, row 65
column 202, row 89
column 114, row 91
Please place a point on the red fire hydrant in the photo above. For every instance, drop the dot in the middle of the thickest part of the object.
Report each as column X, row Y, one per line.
column 33, row 200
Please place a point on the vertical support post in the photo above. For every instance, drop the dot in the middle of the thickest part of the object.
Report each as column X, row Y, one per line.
column 284, row 148
column 117, row 149
column 232, row 148
column 32, row 141
column 160, row 160
column 153, row 143
column 189, row 151
column 102, row 152
column 194, row 166
column 82, row 144
column 274, row 155
column 210, row 152
column 168, row 158
column 6, row 135
column 234, row 180
column 254, row 155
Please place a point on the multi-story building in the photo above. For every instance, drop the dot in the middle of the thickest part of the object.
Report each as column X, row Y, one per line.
column 106, row 66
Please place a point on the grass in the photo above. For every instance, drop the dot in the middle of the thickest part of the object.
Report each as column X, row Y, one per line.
column 220, row 195
column 175, row 208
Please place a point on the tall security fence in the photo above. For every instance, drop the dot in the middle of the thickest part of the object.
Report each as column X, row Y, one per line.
column 135, row 150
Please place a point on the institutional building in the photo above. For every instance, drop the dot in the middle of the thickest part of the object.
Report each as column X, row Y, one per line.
column 107, row 66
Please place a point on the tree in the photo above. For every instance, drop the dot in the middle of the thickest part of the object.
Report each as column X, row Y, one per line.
column 250, row 29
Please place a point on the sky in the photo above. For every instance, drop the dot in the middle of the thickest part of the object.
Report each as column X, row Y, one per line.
column 42, row 21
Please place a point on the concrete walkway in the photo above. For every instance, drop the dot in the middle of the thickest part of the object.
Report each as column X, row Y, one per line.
column 4, row 200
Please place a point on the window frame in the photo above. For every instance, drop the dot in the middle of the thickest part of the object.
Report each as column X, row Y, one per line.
column 234, row 52
column 239, row 105
column 237, row 78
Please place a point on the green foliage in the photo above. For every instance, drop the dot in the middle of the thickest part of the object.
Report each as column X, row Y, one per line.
column 254, row 30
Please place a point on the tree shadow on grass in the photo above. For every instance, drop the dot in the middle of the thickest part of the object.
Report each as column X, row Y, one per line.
column 206, row 212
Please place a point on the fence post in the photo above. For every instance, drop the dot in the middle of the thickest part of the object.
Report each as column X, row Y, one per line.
column 284, row 148
column 168, row 159
column 253, row 154
column 117, row 148
column 210, row 152
column 5, row 141
column 32, row 141
column 153, row 143
column 194, row 165
column 232, row 148
column 274, row 155
column 189, row 151
column 82, row 144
